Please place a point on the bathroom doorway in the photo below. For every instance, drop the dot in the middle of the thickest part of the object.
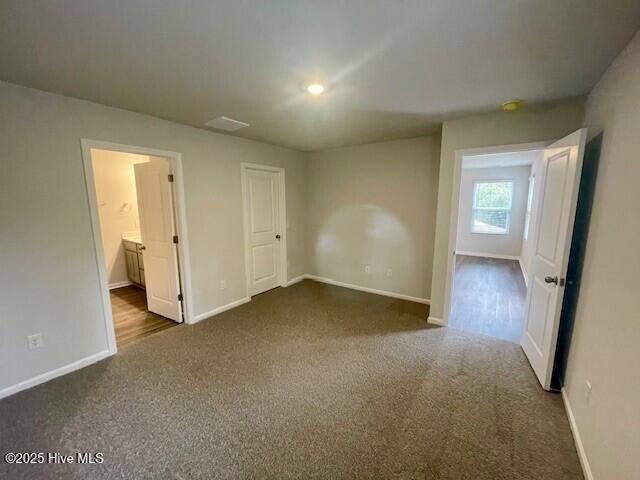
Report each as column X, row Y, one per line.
column 137, row 240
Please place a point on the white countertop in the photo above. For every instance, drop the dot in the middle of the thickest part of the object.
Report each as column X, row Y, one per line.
column 132, row 237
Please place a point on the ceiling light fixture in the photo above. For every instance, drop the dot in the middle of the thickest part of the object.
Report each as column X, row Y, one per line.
column 315, row 89
column 512, row 105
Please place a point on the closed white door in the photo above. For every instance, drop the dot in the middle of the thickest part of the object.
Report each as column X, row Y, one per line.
column 559, row 183
column 262, row 210
column 155, row 207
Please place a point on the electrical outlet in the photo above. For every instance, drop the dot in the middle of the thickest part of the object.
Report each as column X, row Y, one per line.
column 367, row 269
column 223, row 284
column 35, row 341
column 389, row 272
column 587, row 390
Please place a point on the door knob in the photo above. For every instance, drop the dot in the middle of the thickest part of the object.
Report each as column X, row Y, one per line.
column 278, row 237
column 142, row 247
column 551, row 280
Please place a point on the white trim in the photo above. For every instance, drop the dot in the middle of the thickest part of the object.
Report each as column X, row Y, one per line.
column 221, row 309
column 245, row 231
column 295, row 280
column 488, row 255
column 582, row 454
column 455, row 204
column 282, row 211
column 435, row 321
column 51, row 374
column 524, row 272
column 126, row 283
column 92, row 198
column 175, row 162
column 385, row 293
column 184, row 257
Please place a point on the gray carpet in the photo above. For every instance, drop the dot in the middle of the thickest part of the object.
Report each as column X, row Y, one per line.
column 311, row 381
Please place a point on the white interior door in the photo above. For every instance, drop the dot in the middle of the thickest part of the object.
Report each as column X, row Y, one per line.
column 155, row 207
column 559, row 183
column 262, row 211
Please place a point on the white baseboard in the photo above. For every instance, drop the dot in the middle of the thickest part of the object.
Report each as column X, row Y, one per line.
column 221, row 309
column 119, row 284
column 524, row 273
column 50, row 375
column 45, row 377
column 295, row 280
column 101, row 355
column 488, row 255
column 582, row 454
column 435, row 321
column 385, row 293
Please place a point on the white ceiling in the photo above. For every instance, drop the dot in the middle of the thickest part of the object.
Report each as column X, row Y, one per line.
column 511, row 159
column 393, row 68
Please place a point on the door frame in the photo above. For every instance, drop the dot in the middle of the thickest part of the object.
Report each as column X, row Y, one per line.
column 455, row 208
column 282, row 206
column 184, row 264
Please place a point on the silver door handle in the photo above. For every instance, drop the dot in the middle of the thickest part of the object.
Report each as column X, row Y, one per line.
column 551, row 280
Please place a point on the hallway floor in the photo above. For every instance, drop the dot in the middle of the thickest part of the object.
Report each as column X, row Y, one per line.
column 488, row 297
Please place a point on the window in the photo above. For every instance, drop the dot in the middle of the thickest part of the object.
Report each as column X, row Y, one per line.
column 527, row 215
column 492, row 207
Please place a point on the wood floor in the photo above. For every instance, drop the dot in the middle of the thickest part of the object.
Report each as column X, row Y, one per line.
column 488, row 297
column 131, row 318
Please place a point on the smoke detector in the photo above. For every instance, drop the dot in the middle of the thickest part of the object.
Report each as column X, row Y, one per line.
column 512, row 105
column 227, row 124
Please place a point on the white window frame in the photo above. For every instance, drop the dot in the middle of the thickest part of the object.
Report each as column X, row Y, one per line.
column 476, row 183
column 527, row 215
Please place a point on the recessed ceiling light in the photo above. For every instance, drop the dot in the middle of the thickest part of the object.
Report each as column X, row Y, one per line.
column 315, row 88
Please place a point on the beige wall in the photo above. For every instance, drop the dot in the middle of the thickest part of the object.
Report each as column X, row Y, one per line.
column 605, row 346
column 117, row 206
column 509, row 244
column 374, row 205
column 49, row 280
column 541, row 123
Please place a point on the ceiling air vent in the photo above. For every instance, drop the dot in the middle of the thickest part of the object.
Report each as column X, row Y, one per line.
column 225, row 123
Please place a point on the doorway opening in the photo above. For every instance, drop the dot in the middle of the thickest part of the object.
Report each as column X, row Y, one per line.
column 135, row 209
column 493, row 242
column 549, row 215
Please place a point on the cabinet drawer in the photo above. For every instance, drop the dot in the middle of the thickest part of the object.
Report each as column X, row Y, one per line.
column 130, row 246
column 139, row 248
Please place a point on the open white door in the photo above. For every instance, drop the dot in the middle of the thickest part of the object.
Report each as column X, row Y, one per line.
column 155, row 207
column 559, row 183
column 262, row 220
